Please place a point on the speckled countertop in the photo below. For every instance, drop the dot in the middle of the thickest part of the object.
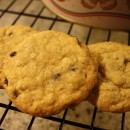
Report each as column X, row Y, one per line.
column 82, row 113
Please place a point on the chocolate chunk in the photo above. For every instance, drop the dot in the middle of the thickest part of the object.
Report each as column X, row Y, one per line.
column 56, row 76
column 13, row 54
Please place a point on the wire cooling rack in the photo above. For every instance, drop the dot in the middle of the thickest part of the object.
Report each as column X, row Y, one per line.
column 33, row 13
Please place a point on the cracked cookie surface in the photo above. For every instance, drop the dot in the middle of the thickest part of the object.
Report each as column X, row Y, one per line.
column 112, row 91
column 10, row 36
column 49, row 72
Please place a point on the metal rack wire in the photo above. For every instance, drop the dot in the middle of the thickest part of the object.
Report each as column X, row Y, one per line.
column 62, row 120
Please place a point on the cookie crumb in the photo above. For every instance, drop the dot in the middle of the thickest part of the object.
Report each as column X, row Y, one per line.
column 13, row 54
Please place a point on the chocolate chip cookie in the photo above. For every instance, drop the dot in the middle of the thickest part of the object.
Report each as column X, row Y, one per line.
column 49, row 72
column 112, row 91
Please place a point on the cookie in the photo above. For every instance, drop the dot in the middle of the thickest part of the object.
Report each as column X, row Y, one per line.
column 108, row 4
column 112, row 91
column 10, row 36
column 90, row 4
column 48, row 72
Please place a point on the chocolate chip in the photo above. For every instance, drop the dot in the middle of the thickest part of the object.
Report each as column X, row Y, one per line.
column 126, row 61
column 10, row 33
column 6, row 81
column 85, row 75
column 56, row 76
column 72, row 68
column 15, row 93
column 13, row 54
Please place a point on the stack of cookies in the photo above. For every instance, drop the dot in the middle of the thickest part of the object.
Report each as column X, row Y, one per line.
column 46, row 72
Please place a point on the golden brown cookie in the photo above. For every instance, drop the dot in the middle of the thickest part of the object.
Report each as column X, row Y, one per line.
column 10, row 36
column 112, row 91
column 108, row 4
column 90, row 4
column 49, row 72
